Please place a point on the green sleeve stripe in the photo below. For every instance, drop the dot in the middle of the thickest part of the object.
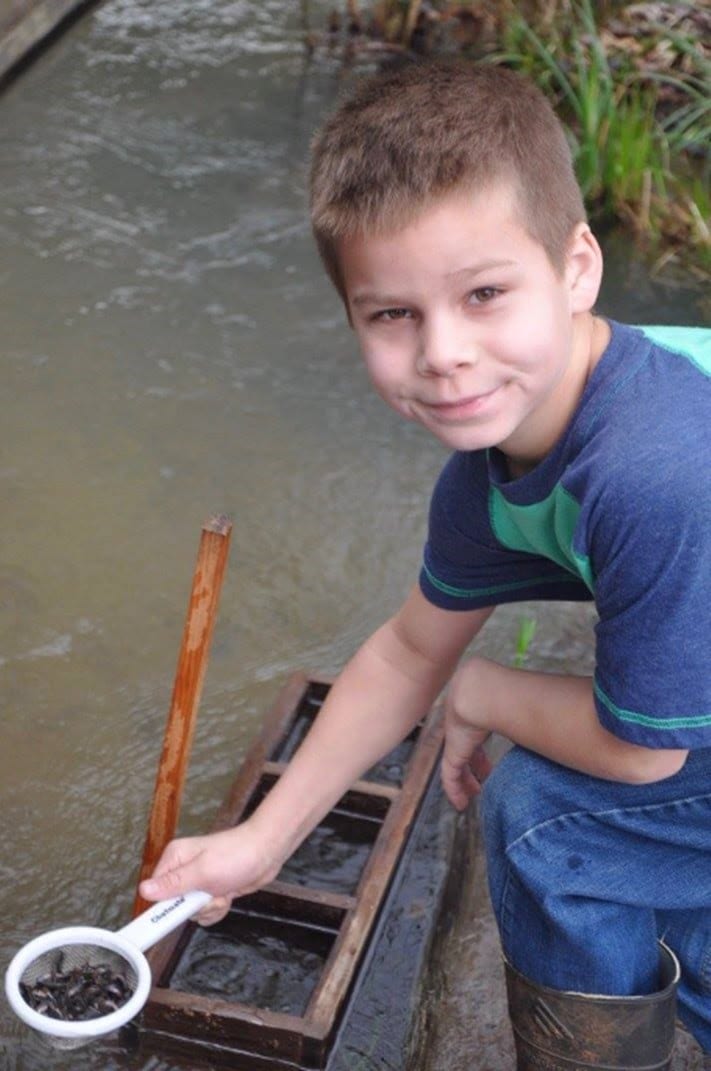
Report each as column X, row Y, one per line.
column 694, row 343
column 698, row 721
column 469, row 593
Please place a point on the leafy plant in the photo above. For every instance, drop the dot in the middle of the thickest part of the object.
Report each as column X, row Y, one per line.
column 526, row 632
column 635, row 160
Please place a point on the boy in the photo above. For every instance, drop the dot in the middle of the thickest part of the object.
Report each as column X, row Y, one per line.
column 447, row 214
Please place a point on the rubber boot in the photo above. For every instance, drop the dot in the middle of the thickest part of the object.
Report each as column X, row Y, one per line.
column 559, row 1031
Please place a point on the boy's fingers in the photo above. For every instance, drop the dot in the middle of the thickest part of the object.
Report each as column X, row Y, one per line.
column 178, row 881
column 215, row 910
column 480, row 764
column 166, row 885
column 459, row 784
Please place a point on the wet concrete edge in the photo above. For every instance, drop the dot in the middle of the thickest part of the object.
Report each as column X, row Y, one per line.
column 462, row 1022
column 379, row 1026
column 23, row 38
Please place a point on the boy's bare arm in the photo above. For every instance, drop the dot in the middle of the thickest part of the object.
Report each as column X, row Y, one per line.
column 386, row 688
column 381, row 694
column 551, row 714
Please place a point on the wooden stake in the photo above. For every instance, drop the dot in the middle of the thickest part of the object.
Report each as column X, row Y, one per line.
column 189, row 677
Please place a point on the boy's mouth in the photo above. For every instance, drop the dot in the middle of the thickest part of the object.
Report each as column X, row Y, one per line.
column 461, row 408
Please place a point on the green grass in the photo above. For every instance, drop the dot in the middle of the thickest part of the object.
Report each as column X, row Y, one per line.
column 635, row 160
column 638, row 121
column 526, row 632
column 615, row 140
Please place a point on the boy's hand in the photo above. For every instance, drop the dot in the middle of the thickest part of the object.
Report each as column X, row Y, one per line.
column 465, row 764
column 550, row 713
column 230, row 863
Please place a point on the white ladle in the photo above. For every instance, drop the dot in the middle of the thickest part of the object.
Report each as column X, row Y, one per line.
column 121, row 949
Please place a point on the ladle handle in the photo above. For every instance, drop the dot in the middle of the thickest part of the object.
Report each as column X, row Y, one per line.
column 162, row 918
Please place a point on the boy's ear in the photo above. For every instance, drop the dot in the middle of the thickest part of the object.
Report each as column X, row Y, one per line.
column 583, row 268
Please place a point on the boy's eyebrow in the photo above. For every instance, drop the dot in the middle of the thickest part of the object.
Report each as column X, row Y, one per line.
column 484, row 265
column 369, row 298
column 375, row 299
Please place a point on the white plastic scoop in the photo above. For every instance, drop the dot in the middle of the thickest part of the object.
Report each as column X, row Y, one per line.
column 75, row 946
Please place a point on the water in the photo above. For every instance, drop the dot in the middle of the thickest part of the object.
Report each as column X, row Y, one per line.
column 171, row 350
column 272, row 964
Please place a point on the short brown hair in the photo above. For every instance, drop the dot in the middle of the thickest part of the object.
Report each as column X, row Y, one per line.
column 419, row 131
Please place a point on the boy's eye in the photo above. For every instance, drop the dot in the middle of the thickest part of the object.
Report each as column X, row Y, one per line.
column 391, row 314
column 483, row 294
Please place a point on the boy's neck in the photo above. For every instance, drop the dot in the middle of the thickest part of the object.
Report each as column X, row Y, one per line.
column 591, row 335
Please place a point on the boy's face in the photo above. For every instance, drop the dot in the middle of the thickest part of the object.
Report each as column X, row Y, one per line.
column 465, row 326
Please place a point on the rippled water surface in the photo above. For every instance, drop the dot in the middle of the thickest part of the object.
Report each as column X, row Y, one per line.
column 171, row 350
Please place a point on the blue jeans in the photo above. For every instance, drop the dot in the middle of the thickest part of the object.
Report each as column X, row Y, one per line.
column 585, row 875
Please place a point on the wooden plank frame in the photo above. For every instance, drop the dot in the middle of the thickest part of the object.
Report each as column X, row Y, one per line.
column 278, row 1039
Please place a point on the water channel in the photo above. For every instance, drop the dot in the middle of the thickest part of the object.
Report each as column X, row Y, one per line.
column 171, row 350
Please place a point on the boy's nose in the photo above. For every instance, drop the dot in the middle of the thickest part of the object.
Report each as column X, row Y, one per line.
column 443, row 349
column 442, row 357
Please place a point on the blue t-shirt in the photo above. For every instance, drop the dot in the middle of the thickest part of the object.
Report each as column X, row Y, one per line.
column 618, row 512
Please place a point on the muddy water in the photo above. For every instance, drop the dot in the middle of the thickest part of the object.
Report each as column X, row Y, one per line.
column 171, row 350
